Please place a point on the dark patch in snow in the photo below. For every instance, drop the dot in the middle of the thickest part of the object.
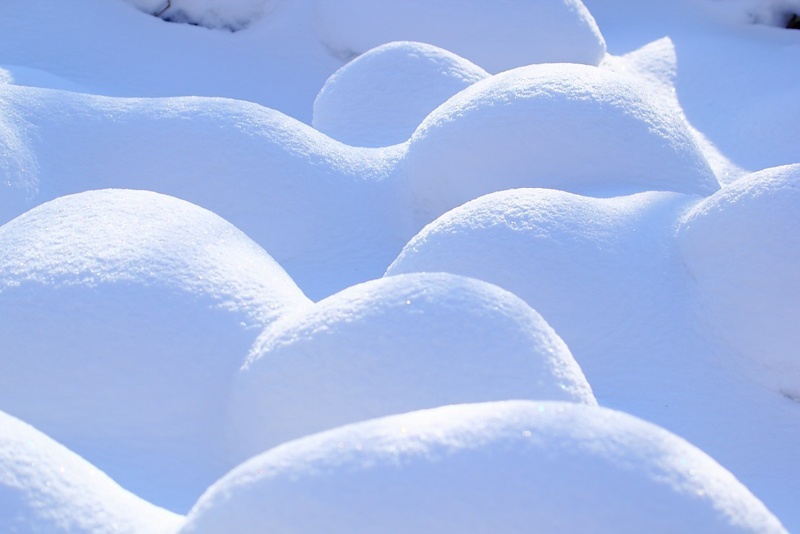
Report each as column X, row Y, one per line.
column 179, row 16
column 794, row 22
column 791, row 395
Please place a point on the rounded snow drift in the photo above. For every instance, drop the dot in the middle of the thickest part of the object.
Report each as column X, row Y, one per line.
column 380, row 98
column 126, row 314
column 584, row 263
column 44, row 487
column 571, row 127
column 496, row 37
column 394, row 345
column 742, row 246
column 498, row 467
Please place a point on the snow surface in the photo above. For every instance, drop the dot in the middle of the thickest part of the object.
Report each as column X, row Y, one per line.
column 663, row 253
column 126, row 314
column 748, row 236
column 380, row 98
column 497, row 36
column 395, row 345
column 484, row 468
column 45, row 487
column 572, row 127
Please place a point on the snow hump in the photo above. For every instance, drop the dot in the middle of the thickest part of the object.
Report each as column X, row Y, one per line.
column 380, row 98
column 44, row 487
column 393, row 345
column 497, row 35
column 494, row 468
column 570, row 127
column 125, row 317
column 742, row 246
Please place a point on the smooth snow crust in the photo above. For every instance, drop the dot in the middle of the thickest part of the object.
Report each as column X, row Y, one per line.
column 44, row 487
column 394, row 345
column 497, row 35
column 380, row 98
column 484, row 468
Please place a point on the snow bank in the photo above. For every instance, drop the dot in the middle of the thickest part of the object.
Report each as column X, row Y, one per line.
column 380, row 98
column 315, row 204
column 45, row 487
column 278, row 61
column 494, row 467
column 570, row 127
column 495, row 36
column 126, row 315
column 742, row 246
column 394, row 345
column 594, row 268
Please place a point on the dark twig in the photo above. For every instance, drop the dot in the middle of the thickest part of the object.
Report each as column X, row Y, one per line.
column 166, row 7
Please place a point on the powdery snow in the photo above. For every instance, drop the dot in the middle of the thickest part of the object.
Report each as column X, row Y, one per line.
column 742, row 246
column 571, row 127
column 394, row 345
column 609, row 276
column 310, row 201
column 484, row 468
column 497, row 36
column 44, row 487
column 380, row 98
column 126, row 315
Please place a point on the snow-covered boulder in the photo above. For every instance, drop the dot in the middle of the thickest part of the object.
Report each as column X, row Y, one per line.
column 394, row 345
column 380, row 98
column 126, row 315
column 496, row 36
column 45, row 487
column 742, row 246
column 570, row 127
column 499, row 467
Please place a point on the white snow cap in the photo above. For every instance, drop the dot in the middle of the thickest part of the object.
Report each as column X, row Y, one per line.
column 497, row 467
column 593, row 267
column 393, row 345
column 125, row 317
column 380, row 98
column 570, row 127
column 742, row 246
column 498, row 35
column 44, row 487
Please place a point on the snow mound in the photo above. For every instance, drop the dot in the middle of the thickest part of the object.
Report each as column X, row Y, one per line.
column 232, row 15
column 394, row 345
column 584, row 263
column 126, row 315
column 314, row 203
column 497, row 38
column 742, row 246
column 570, row 127
column 494, row 467
column 44, row 487
column 380, row 98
